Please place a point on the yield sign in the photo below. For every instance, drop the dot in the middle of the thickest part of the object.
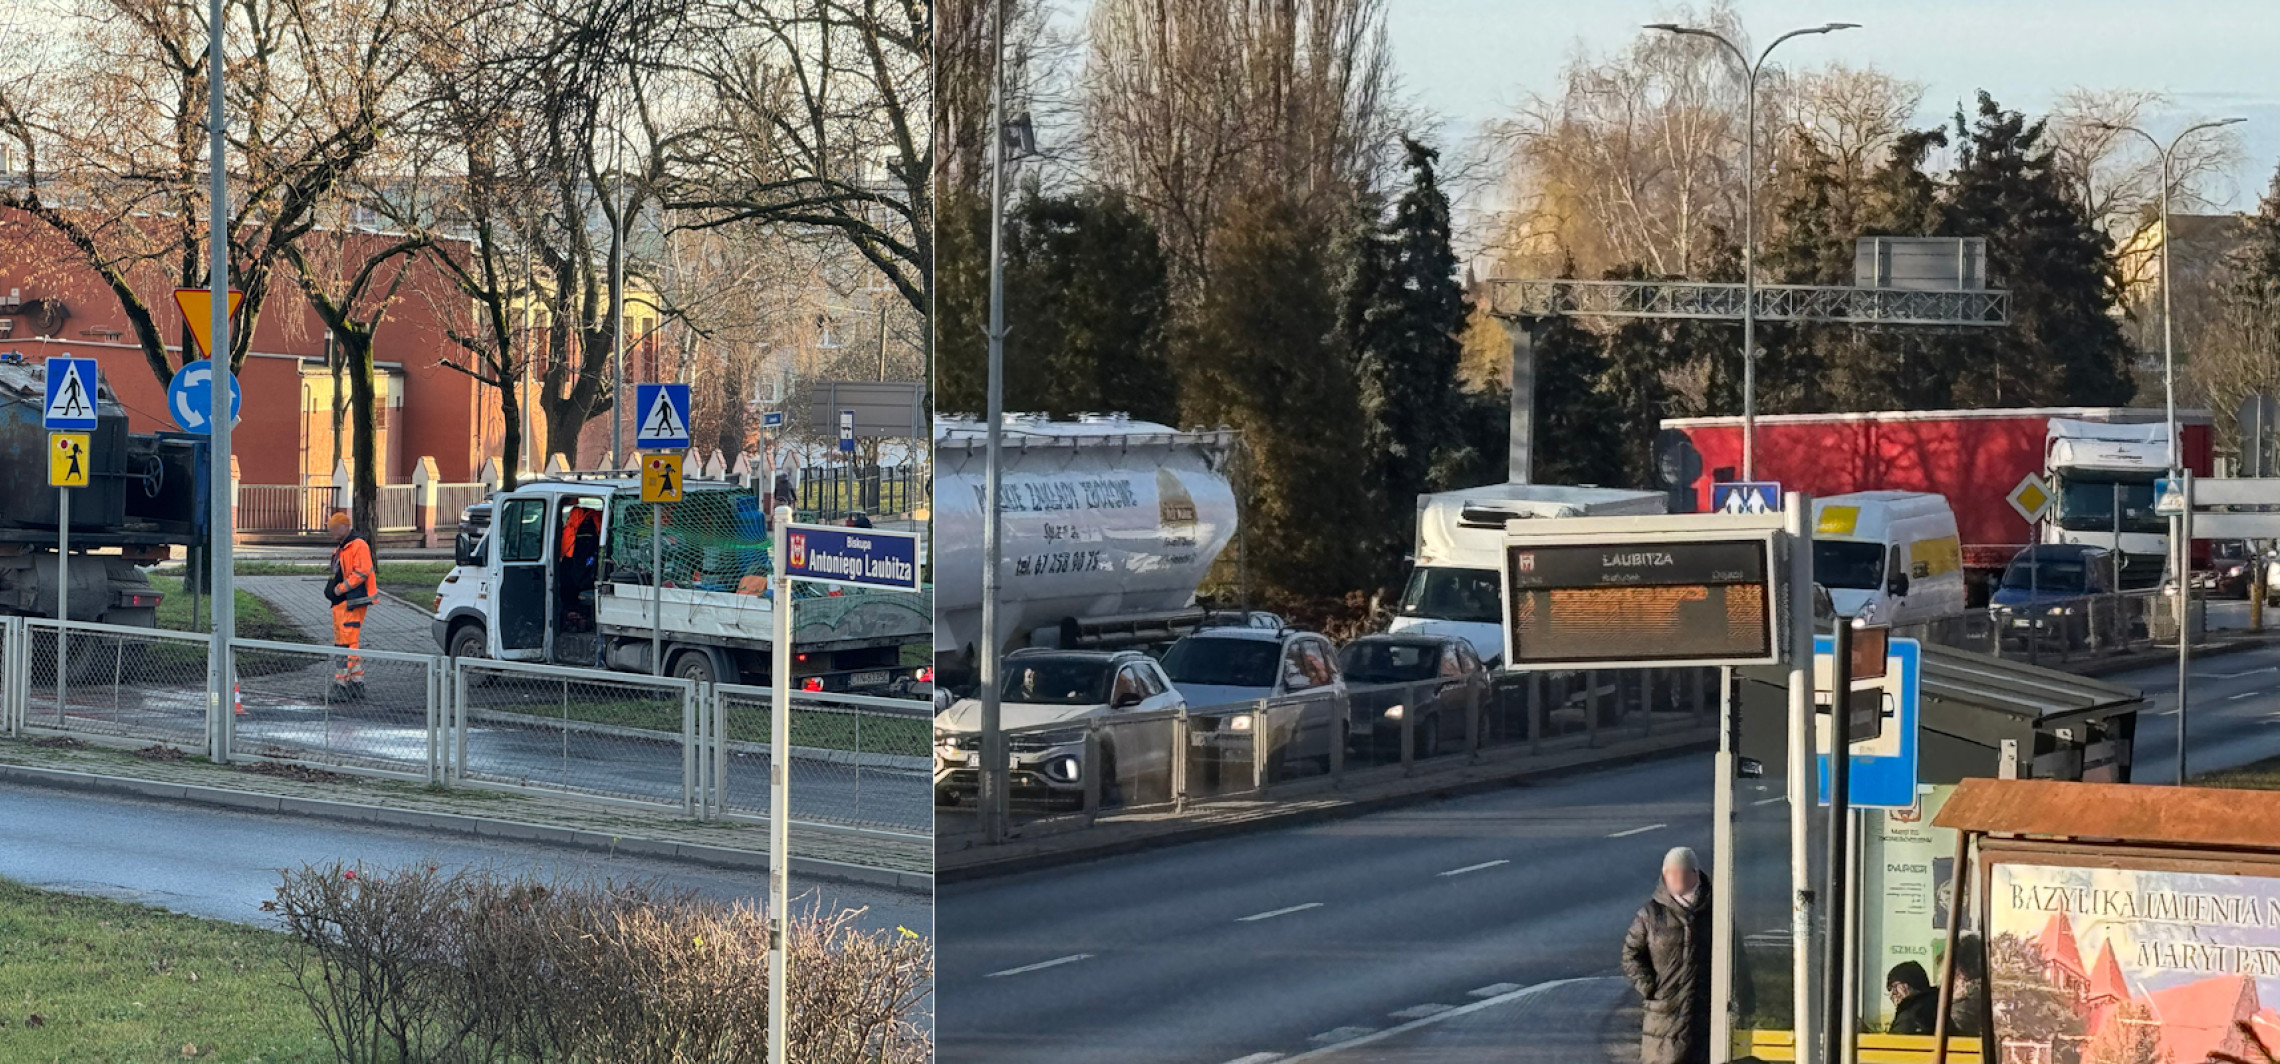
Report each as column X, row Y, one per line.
column 2032, row 498
column 198, row 313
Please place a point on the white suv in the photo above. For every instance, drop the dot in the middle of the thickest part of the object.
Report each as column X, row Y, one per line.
column 1043, row 688
column 1292, row 674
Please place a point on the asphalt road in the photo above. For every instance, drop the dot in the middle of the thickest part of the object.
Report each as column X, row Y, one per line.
column 1269, row 946
column 223, row 864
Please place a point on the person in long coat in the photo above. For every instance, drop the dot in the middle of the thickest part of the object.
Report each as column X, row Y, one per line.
column 1666, row 956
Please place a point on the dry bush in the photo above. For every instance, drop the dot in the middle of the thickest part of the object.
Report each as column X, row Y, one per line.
column 472, row 966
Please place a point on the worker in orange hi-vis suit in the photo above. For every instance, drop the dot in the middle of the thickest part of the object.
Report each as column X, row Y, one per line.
column 353, row 584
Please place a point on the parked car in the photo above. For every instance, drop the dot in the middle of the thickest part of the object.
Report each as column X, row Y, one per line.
column 2047, row 595
column 1294, row 673
column 1434, row 681
column 1050, row 687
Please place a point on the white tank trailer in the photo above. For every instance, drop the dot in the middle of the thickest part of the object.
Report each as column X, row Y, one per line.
column 1110, row 525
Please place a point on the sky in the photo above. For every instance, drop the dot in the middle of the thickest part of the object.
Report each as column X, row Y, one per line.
column 1473, row 60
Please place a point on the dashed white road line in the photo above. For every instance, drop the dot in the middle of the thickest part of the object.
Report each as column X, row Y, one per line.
column 1637, row 831
column 2238, row 675
column 2244, row 694
column 1272, row 913
column 1342, row 1035
column 1257, row 1058
column 1328, row 1051
column 1493, row 990
column 1041, row 965
column 1419, row 1012
column 1770, row 801
column 1473, row 868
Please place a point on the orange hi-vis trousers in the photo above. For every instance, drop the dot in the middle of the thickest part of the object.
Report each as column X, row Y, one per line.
column 348, row 631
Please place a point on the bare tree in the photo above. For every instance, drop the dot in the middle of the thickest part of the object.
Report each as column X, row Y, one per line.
column 2117, row 175
column 1193, row 105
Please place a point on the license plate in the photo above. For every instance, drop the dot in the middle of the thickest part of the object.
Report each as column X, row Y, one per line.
column 868, row 679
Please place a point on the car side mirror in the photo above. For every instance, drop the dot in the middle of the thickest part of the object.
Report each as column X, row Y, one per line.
column 1899, row 583
column 1126, row 700
column 468, row 550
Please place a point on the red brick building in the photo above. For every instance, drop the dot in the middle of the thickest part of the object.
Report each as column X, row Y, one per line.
column 52, row 303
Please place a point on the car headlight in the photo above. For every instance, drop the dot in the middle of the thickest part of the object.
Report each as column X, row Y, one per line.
column 1239, row 722
column 2058, row 611
column 1394, row 713
column 1064, row 769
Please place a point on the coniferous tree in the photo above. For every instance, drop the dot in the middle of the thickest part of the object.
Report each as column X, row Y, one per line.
column 1404, row 321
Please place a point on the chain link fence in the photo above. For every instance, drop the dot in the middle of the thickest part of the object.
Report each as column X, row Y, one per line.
column 143, row 684
column 610, row 736
column 855, row 761
column 372, row 710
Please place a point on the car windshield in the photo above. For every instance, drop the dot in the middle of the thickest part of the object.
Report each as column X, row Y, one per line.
column 1223, row 662
column 1056, row 682
column 2057, row 574
column 1469, row 595
column 1842, row 563
column 1389, row 662
column 2093, row 503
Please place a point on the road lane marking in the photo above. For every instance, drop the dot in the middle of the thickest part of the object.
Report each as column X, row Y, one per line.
column 1419, row 1012
column 2243, row 694
column 1637, row 831
column 1271, row 914
column 1042, row 965
column 1770, row 801
column 1493, row 990
column 1473, row 868
column 2238, row 675
column 1342, row 1035
column 1329, row 1051
column 1257, row 1058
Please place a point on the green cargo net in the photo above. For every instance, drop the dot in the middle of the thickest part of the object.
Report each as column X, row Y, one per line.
column 715, row 540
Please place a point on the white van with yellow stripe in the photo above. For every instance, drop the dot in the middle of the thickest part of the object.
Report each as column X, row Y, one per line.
column 1889, row 557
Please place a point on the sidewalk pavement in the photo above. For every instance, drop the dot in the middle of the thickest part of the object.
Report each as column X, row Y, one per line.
column 900, row 863
column 389, row 624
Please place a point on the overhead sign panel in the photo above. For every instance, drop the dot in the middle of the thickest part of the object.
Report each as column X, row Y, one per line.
column 70, row 395
column 1702, row 598
column 882, row 408
column 858, row 557
column 664, row 413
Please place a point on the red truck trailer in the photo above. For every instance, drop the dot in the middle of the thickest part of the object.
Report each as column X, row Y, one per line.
column 1974, row 457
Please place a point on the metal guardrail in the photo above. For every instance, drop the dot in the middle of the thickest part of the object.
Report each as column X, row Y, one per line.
column 858, row 763
column 2059, row 631
column 1131, row 762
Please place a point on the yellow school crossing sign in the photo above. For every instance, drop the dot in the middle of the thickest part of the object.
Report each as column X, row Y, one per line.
column 68, row 466
column 661, row 478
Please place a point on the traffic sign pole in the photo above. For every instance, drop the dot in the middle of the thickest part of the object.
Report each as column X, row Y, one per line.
column 656, row 589
column 62, row 594
column 1799, row 518
column 1833, row 975
column 2183, row 524
column 779, row 790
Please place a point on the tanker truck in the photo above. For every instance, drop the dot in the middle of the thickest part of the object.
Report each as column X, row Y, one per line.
column 143, row 498
column 1110, row 525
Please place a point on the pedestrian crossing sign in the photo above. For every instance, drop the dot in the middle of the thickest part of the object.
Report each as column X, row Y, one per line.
column 70, row 395
column 663, row 410
column 1746, row 497
column 661, row 478
column 68, row 464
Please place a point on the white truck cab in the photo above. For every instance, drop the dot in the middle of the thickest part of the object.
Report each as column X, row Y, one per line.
column 1456, row 585
column 1889, row 557
column 522, row 590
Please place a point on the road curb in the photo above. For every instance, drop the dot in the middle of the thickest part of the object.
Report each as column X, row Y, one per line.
column 1174, row 834
column 486, row 827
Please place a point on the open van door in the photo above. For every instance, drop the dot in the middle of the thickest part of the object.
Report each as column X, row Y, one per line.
column 522, row 541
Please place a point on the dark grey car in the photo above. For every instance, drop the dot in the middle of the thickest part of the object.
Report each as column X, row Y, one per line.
column 1437, row 681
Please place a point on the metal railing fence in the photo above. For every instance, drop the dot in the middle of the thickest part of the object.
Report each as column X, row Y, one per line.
column 855, row 760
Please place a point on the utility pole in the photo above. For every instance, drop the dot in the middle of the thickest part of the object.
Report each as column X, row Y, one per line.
column 993, row 775
column 221, row 523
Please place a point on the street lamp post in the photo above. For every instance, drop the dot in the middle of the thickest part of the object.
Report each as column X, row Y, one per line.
column 2180, row 548
column 1750, row 73
column 994, row 776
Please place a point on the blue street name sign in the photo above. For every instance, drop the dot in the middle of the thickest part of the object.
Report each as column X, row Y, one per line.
column 857, row 557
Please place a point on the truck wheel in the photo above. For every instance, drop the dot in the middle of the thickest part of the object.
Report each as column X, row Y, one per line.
column 468, row 641
column 694, row 665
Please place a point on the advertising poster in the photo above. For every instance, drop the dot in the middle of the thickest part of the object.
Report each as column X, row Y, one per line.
column 1907, row 872
column 2122, row 966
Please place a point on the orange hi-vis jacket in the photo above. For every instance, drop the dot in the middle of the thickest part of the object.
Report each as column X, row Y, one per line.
column 354, row 582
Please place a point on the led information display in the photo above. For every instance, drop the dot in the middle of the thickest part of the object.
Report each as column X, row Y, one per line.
column 1674, row 601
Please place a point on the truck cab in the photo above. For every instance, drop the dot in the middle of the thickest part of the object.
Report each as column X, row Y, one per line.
column 1456, row 581
column 2103, row 476
column 567, row 571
